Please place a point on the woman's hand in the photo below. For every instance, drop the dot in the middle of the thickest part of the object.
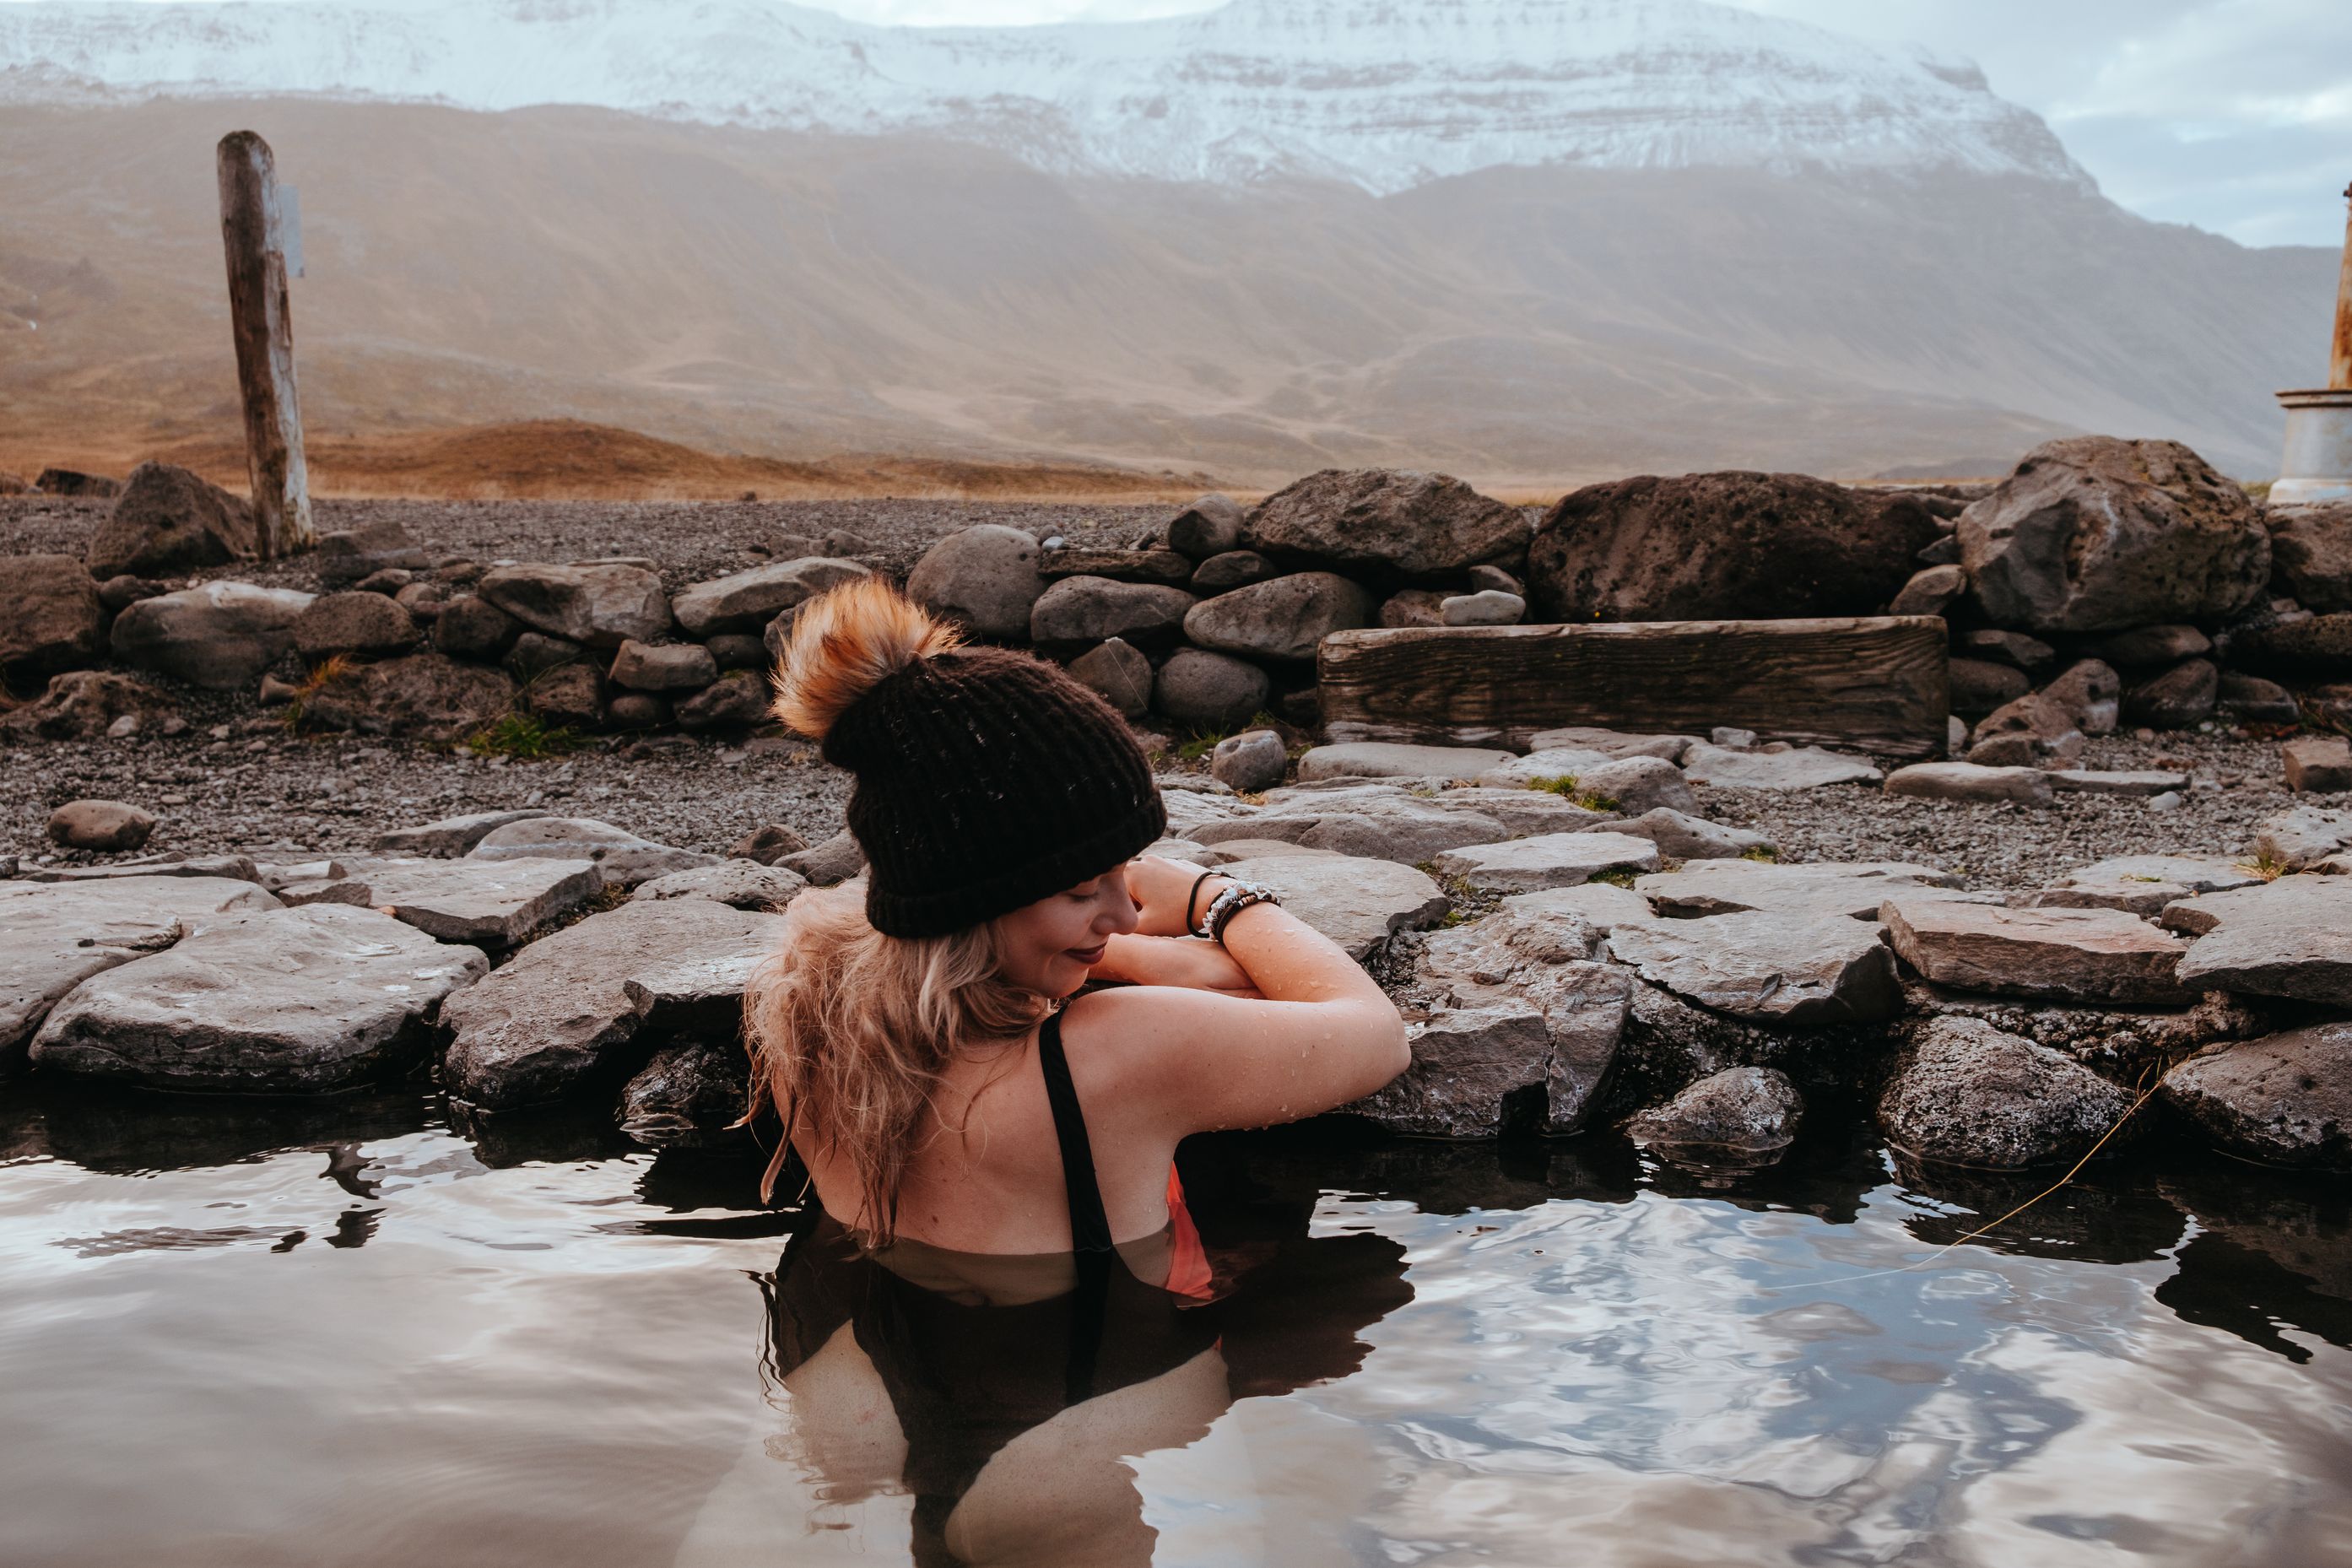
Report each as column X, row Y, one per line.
column 1187, row 962
column 1160, row 889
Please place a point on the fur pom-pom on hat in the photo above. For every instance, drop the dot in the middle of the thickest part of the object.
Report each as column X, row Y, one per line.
column 987, row 779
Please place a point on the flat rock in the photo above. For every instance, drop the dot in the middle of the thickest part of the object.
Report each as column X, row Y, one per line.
column 599, row 605
column 565, row 1012
column 1970, row 781
column 1543, row 767
column 1377, row 759
column 1682, row 837
column 1603, row 905
column 2284, row 1101
column 234, row 867
column 1612, row 742
column 1358, row 903
column 1522, row 812
column 1799, row 767
column 1226, row 851
column 451, row 837
column 1854, row 889
column 1169, row 566
column 2289, row 938
column 624, row 858
column 486, row 903
column 1547, row 861
column 1373, row 823
column 1766, row 966
column 2064, row 954
column 269, row 1001
column 1967, row 1094
column 2142, row 884
column 2141, row 781
column 740, row 884
column 53, row 936
column 1741, row 1112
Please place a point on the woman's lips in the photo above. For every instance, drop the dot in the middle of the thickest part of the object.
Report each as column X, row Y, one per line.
column 1090, row 956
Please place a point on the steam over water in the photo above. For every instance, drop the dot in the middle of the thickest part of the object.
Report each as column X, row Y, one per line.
column 343, row 1333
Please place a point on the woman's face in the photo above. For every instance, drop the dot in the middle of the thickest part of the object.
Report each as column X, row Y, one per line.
column 1048, row 946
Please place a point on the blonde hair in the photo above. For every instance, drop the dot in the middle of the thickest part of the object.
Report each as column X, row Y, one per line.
column 851, row 1030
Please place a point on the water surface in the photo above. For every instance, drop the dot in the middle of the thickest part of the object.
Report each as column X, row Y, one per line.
column 344, row 1333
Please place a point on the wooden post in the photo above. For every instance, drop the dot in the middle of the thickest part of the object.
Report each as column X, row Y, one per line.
column 1880, row 682
column 252, row 234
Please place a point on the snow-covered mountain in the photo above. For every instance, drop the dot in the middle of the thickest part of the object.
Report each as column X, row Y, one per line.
column 1386, row 94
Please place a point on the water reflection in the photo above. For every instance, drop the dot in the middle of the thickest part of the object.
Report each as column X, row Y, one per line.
column 259, row 1332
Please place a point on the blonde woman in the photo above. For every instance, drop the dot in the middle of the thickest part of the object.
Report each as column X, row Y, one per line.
column 996, row 1292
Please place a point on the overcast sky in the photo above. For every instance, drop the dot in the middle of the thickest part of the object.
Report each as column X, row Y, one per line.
column 2234, row 115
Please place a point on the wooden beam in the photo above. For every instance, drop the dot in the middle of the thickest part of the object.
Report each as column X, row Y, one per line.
column 1881, row 683
column 252, row 234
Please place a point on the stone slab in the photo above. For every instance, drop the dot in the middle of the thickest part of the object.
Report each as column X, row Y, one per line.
column 1766, row 966
column 740, row 884
column 1799, row 767
column 1855, row 888
column 451, row 835
column 1971, row 782
column 564, row 1015
column 2289, row 938
column 1547, row 861
column 2091, row 955
column 1377, row 759
column 2285, row 1100
column 1358, row 903
column 2141, row 781
column 269, row 1001
column 624, row 858
column 54, row 935
column 488, row 903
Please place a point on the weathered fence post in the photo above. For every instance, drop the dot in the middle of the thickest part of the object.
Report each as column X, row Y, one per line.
column 253, row 236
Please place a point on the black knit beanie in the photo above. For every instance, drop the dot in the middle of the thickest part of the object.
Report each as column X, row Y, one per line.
column 987, row 780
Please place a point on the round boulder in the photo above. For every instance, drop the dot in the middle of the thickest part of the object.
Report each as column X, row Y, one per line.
column 985, row 577
column 218, row 635
column 1250, row 761
column 1970, row 1095
column 104, row 825
column 1119, row 673
column 473, row 627
column 1209, row 690
column 1723, row 546
column 1284, row 619
column 2094, row 535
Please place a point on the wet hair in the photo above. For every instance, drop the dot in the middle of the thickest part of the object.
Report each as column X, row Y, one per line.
column 851, row 1029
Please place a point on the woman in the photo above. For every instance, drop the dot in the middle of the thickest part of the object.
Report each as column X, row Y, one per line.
column 997, row 1300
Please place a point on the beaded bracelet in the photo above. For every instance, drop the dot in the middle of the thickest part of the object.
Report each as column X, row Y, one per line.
column 1231, row 900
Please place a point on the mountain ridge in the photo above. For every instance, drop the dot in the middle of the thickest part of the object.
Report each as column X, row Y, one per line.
column 1382, row 94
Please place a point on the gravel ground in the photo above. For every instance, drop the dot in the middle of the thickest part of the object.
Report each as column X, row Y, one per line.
column 690, row 541
column 261, row 788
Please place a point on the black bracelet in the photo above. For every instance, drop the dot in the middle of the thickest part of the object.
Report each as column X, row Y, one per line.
column 1193, row 897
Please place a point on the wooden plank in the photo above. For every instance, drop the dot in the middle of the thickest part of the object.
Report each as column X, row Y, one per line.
column 1881, row 683
column 253, row 236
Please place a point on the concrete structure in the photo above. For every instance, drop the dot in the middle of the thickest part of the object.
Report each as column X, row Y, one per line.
column 2317, row 463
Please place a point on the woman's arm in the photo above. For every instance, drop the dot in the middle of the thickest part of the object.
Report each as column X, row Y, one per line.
column 1174, row 961
column 1320, row 1034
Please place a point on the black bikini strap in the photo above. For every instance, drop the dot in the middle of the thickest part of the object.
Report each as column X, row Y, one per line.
column 1089, row 1226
